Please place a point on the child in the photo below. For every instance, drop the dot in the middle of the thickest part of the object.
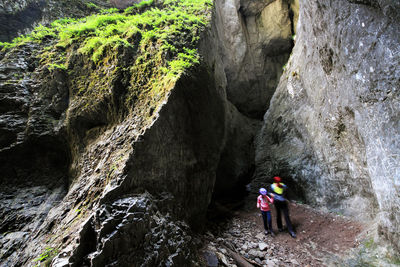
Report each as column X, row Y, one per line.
column 263, row 204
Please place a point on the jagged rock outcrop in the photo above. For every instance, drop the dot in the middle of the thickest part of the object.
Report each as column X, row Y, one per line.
column 129, row 225
column 33, row 151
column 333, row 124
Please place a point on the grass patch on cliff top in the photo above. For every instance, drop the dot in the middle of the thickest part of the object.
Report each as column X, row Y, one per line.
column 175, row 25
column 163, row 36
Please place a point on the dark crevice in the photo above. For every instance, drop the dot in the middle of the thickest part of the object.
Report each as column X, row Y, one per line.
column 225, row 202
column 13, row 24
column 291, row 17
column 230, row 190
column 371, row 3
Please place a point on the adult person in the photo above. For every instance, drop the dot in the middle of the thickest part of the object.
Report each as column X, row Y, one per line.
column 278, row 192
column 263, row 201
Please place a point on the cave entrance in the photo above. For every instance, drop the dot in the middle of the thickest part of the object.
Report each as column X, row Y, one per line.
column 229, row 197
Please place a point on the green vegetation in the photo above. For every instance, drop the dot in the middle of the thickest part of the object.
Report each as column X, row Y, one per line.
column 139, row 7
column 370, row 244
column 147, row 47
column 172, row 29
column 46, row 257
column 113, row 28
column 395, row 260
column 57, row 66
column 91, row 5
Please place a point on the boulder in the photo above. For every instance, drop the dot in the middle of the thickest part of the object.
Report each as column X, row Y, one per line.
column 262, row 246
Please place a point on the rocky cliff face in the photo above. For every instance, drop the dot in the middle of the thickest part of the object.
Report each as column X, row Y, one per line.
column 332, row 127
column 117, row 141
column 112, row 150
column 247, row 46
column 100, row 148
column 20, row 17
column 253, row 42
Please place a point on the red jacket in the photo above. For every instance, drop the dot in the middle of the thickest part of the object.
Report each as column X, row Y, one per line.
column 263, row 202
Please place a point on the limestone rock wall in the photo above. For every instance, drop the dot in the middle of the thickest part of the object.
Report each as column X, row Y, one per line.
column 248, row 44
column 89, row 155
column 33, row 150
column 333, row 126
column 253, row 43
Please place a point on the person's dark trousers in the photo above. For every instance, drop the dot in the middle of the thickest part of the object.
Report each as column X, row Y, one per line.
column 266, row 215
column 282, row 206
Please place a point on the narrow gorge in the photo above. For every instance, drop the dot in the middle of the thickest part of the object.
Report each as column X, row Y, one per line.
column 128, row 128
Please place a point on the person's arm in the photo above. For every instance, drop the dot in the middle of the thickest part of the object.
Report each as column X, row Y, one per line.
column 258, row 203
column 271, row 194
column 271, row 199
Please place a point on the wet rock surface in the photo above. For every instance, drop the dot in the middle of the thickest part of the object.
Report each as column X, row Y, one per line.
column 116, row 183
column 33, row 148
column 101, row 153
column 22, row 212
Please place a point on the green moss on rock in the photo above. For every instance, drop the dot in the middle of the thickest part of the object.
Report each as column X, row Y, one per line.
column 152, row 45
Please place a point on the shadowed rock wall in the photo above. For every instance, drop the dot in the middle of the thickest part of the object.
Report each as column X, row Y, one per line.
column 90, row 149
column 253, row 43
column 20, row 17
column 333, row 124
column 248, row 44
column 172, row 158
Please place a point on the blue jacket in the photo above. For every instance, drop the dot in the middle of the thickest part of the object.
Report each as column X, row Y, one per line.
column 279, row 192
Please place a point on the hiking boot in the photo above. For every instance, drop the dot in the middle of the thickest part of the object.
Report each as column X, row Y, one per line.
column 293, row 235
column 272, row 234
column 266, row 233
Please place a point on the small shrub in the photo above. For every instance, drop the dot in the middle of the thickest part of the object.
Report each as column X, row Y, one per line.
column 57, row 66
column 91, row 5
column 46, row 257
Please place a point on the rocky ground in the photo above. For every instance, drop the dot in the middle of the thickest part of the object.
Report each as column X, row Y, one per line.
column 323, row 239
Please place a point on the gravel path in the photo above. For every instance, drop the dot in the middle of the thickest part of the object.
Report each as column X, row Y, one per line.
column 240, row 240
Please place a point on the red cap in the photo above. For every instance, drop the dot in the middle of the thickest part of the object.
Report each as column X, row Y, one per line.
column 277, row 179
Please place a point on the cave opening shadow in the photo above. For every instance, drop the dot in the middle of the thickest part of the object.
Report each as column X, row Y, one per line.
column 224, row 203
column 39, row 162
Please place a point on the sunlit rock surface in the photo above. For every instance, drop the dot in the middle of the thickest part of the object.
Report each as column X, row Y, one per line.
column 333, row 127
